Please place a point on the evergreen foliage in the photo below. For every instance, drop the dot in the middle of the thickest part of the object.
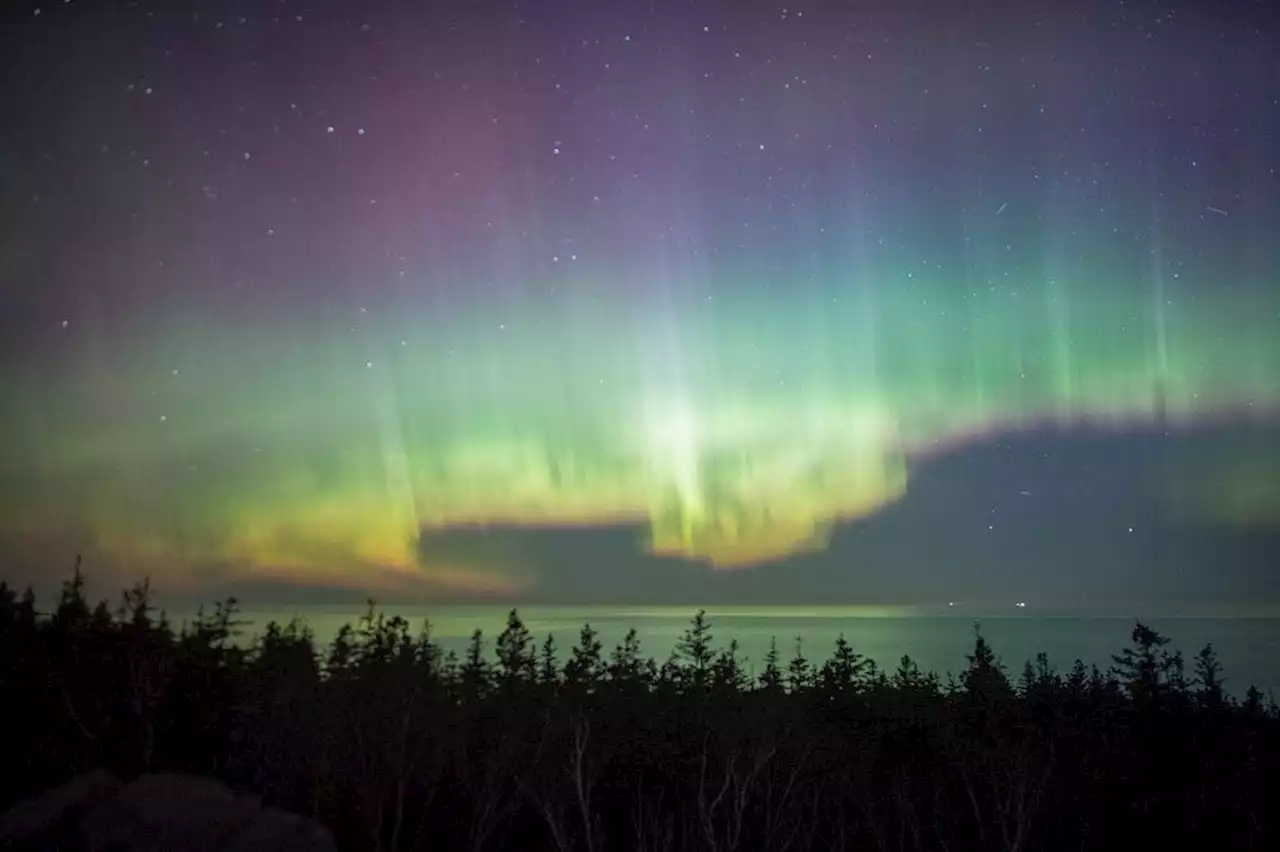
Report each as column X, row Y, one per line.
column 398, row 746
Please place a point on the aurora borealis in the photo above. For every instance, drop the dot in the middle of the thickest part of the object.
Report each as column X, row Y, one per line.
column 291, row 294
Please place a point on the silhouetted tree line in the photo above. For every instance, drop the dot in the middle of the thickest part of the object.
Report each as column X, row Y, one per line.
column 398, row 745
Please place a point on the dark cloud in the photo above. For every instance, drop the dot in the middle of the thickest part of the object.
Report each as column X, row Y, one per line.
column 1065, row 520
column 1061, row 519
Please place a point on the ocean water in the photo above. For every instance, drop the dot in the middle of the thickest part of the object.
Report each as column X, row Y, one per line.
column 1249, row 648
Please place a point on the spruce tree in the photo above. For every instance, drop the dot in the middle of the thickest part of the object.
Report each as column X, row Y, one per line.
column 1209, row 678
column 726, row 672
column 799, row 671
column 907, row 676
column 548, row 668
column 585, row 667
column 985, row 680
column 1078, row 680
column 516, row 660
column 695, row 652
column 473, row 676
column 1253, row 705
column 1144, row 667
column 73, row 608
column 844, row 670
column 625, row 663
column 771, row 678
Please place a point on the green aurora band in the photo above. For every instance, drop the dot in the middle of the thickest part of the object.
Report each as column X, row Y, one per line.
column 319, row 449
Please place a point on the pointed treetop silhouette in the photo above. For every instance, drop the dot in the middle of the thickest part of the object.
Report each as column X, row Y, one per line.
column 985, row 680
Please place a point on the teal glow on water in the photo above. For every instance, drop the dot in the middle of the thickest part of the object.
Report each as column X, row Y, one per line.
column 1248, row 647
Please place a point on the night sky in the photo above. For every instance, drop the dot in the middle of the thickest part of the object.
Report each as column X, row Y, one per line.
column 591, row 301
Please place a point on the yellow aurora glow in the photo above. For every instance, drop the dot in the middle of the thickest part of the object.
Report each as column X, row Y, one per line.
column 263, row 459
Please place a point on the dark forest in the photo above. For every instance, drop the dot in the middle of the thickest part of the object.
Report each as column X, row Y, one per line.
column 518, row 744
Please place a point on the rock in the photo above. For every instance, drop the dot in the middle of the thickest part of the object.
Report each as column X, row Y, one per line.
column 156, row 812
column 34, row 817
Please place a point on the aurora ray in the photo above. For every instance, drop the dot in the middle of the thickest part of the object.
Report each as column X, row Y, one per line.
column 268, row 315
